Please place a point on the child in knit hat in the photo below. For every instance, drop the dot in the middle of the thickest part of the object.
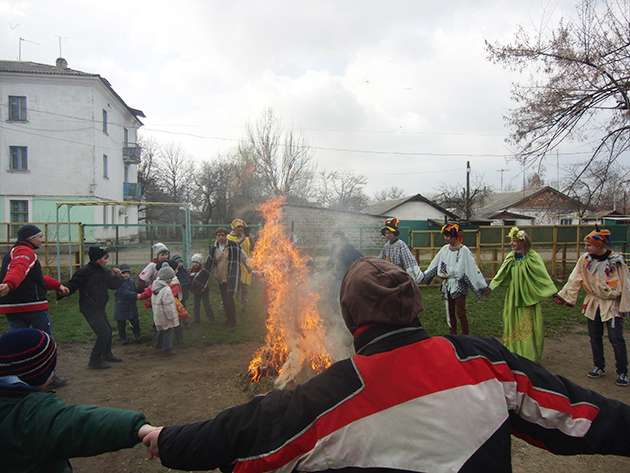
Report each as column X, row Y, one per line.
column 38, row 431
column 164, row 307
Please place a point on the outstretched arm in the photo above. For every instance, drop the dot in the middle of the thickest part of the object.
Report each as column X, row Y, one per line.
column 80, row 431
column 553, row 413
column 569, row 293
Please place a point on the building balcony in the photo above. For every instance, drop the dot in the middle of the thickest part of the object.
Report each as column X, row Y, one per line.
column 132, row 191
column 131, row 153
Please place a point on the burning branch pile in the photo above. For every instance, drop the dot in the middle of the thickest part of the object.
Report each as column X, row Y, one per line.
column 295, row 338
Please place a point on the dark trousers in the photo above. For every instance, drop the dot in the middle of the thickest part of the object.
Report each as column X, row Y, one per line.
column 122, row 328
column 198, row 300
column 457, row 310
column 229, row 307
column 97, row 319
column 38, row 320
column 615, row 335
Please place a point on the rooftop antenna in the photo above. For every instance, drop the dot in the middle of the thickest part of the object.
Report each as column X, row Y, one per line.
column 501, row 171
column 20, row 41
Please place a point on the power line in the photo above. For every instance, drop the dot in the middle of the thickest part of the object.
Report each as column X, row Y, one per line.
column 56, row 138
column 314, row 147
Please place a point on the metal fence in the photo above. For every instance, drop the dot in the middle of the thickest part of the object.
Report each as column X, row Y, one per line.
column 559, row 245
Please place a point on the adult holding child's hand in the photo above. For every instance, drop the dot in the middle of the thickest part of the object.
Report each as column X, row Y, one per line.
column 149, row 436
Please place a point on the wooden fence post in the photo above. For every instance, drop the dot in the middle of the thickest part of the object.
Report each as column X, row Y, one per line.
column 478, row 241
column 554, row 248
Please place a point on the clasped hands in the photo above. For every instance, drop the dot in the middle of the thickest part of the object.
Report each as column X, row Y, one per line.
column 148, row 435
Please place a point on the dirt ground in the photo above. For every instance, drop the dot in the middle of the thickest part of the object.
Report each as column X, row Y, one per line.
column 197, row 383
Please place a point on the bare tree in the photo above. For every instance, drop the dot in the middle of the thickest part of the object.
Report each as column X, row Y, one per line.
column 453, row 196
column 281, row 159
column 212, row 193
column 391, row 193
column 600, row 187
column 174, row 173
column 342, row 190
column 584, row 72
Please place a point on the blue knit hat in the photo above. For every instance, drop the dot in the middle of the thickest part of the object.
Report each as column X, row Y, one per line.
column 29, row 354
column 26, row 232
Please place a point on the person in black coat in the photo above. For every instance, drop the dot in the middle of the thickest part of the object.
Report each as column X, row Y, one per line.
column 126, row 309
column 93, row 281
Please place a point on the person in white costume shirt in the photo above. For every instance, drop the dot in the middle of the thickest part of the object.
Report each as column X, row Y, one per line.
column 456, row 266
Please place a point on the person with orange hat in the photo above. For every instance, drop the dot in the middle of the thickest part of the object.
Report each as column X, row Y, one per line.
column 456, row 266
column 397, row 252
column 603, row 275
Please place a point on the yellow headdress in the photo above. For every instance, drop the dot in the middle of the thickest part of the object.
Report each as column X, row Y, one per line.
column 238, row 222
column 516, row 234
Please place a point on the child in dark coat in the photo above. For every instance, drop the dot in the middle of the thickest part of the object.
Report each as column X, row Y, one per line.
column 199, row 288
column 126, row 309
column 93, row 281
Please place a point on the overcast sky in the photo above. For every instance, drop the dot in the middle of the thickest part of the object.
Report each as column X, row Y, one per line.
column 395, row 76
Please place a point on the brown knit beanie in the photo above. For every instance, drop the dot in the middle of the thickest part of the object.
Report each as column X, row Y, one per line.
column 377, row 292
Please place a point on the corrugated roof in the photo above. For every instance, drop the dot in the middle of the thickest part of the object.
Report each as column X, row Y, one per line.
column 499, row 201
column 386, row 206
column 382, row 207
column 28, row 67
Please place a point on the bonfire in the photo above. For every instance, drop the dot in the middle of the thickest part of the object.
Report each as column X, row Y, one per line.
column 295, row 338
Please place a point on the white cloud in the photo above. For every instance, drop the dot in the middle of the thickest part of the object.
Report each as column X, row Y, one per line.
column 402, row 76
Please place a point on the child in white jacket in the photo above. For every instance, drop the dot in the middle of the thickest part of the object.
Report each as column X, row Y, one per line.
column 165, row 315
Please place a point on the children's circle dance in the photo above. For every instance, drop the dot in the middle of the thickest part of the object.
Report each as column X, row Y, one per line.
column 380, row 302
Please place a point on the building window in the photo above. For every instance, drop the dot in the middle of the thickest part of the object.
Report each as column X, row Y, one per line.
column 19, row 210
column 126, row 137
column 104, row 215
column 566, row 221
column 105, row 167
column 17, row 108
column 126, row 173
column 105, row 121
column 19, row 158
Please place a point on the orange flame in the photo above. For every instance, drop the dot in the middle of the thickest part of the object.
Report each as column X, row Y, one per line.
column 295, row 332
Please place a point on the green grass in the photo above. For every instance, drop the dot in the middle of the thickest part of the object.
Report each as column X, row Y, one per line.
column 484, row 316
column 70, row 326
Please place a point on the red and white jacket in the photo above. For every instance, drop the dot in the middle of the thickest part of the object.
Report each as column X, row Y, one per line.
column 406, row 402
column 22, row 271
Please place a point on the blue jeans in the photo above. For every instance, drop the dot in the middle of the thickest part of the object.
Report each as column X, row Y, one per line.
column 38, row 320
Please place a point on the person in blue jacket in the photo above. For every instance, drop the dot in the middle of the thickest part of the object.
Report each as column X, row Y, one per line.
column 126, row 309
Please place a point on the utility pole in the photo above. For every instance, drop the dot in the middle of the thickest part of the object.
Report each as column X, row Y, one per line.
column 467, row 191
column 557, row 170
column 501, row 171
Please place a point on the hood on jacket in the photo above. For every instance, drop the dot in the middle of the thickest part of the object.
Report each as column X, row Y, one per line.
column 375, row 291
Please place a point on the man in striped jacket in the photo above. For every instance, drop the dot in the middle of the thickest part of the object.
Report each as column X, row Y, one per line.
column 23, row 285
column 405, row 402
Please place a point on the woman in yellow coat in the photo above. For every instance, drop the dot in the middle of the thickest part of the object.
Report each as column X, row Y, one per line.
column 238, row 236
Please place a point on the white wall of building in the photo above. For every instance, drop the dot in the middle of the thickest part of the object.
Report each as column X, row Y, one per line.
column 416, row 211
column 65, row 140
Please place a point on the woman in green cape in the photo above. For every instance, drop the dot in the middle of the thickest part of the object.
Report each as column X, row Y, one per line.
column 523, row 270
